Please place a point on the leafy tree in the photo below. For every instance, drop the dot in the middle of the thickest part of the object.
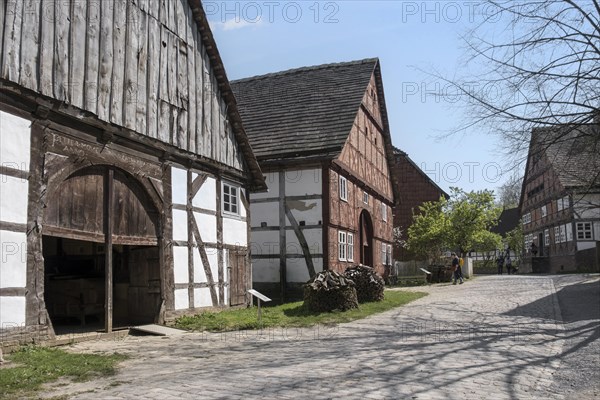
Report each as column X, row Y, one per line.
column 427, row 236
column 515, row 241
column 463, row 223
column 470, row 215
column 486, row 243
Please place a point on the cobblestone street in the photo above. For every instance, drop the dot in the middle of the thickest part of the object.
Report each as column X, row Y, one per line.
column 495, row 337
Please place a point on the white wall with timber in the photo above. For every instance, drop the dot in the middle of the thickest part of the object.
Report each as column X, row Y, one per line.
column 289, row 216
column 15, row 146
column 199, row 257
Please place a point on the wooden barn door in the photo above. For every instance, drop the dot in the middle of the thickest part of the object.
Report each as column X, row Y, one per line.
column 238, row 269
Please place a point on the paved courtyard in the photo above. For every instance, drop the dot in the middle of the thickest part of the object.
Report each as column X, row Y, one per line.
column 495, row 337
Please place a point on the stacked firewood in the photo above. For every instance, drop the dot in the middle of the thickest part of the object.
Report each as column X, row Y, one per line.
column 329, row 291
column 369, row 285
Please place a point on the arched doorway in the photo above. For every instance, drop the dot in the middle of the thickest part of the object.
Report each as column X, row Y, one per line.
column 366, row 238
column 101, row 255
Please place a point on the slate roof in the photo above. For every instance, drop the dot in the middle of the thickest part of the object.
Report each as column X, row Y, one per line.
column 508, row 220
column 303, row 113
column 574, row 153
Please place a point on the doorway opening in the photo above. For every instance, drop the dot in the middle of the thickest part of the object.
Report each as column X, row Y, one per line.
column 75, row 285
column 366, row 238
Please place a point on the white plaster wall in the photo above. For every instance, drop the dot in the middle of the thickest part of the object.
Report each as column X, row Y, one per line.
column 213, row 260
column 202, row 297
column 207, row 225
column 235, row 232
column 12, row 312
column 586, row 245
column 243, row 211
column 13, row 199
column 597, row 230
column 272, row 180
column 303, row 182
column 180, row 225
column 297, row 271
column 265, row 212
column 15, row 141
column 207, row 195
column 264, row 242
column 314, row 239
column 13, row 265
column 179, row 185
column 182, row 300
column 265, row 270
column 309, row 211
column 180, row 259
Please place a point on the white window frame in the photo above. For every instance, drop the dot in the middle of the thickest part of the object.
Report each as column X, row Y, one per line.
column 559, row 204
column 582, row 230
column 365, row 197
column 544, row 211
column 343, row 188
column 527, row 218
column 384, row 212
column 566, row 203
column 350, row 246
column 547, row 237
column 389, row 254
column 556, row 234
column 569, row 228
column 383, row 253
column 342, row 246
column 229, row 206
column 563, row 233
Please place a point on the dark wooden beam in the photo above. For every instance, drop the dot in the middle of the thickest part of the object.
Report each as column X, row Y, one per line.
column 108, row 246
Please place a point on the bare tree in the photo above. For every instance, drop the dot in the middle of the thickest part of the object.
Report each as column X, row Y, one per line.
column 541, row 64
column 509, row 193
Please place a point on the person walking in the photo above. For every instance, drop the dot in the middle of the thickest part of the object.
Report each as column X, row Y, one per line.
column 509, row 268
column 500, row 263
column 457, row 270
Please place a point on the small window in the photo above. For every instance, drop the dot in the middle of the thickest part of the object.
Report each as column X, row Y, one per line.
column 584, row 231
column 566, row 203
column 389, row 254
column 544, row 211
column 384, row 212
column 547, row 237
column 366, row 131
column 230, row 199
column 342, row 246
column 365, row 197
column 343, row 188
column 383, row 253
column 350, row 249
column 527, row 218
column 557, row 234
column 559, row 205
column 563, row 234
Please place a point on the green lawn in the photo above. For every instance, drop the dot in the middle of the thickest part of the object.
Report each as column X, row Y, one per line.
column 34, row 366
column 290, row 314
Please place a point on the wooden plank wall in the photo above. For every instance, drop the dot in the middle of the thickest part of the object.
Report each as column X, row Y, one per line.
column 140, row 64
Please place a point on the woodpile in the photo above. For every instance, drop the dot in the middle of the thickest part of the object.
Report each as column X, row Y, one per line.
column 329, row 291
column 369, row 286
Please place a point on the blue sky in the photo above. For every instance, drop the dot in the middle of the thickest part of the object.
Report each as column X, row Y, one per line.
column 255, row 38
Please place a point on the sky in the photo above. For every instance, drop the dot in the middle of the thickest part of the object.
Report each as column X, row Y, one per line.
column 408, row 37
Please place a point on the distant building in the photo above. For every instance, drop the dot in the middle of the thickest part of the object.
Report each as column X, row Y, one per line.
column 414, row 189
column 322, row 138
column 507, row 221
column 560, row 200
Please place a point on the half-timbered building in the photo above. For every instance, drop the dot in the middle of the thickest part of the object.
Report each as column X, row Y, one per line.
column 125, row 169
column 322, row 138
column 560, row 199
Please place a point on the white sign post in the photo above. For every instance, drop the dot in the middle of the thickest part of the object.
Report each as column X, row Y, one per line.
column 260, row 297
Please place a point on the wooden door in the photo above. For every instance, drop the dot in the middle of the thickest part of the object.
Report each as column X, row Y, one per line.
column 238, row 278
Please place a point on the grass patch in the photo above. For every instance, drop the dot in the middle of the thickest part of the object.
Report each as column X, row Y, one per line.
column 290, row 314
column 35, row 366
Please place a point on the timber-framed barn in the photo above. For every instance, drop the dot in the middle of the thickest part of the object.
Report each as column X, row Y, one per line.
column 322, row 138
column 125, row 168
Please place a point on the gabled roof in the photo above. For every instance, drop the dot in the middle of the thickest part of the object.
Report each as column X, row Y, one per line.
column 401, row 153
column 304, row 113
column 573, row 151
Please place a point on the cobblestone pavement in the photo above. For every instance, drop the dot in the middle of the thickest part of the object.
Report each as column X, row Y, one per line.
column 495, row 337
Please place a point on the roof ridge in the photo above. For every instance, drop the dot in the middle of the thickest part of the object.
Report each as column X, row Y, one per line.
column 308, row 68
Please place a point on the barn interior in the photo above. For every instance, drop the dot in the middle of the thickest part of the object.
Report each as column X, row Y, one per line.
column 75, row 285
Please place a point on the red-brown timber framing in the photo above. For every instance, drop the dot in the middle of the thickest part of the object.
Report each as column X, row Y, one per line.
column 114, row 102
